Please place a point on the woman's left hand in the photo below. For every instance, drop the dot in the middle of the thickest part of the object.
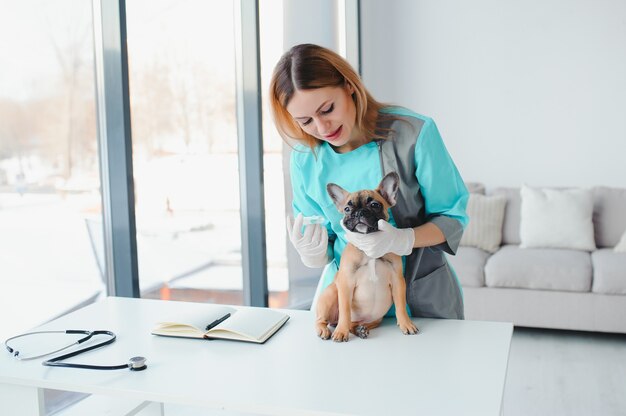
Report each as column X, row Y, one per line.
column 388, row 239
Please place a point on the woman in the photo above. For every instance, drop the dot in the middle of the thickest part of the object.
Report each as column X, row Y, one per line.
column 347, row 137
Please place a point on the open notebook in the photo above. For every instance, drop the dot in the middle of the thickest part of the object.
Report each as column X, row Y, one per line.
column 223, row 322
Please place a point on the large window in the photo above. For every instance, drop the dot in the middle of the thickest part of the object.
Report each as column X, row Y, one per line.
column 182, row 93
column 185, row 153
column 49, row 181
column 185, row 157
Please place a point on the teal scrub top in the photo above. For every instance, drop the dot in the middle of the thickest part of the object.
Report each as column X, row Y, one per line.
column 361, row 169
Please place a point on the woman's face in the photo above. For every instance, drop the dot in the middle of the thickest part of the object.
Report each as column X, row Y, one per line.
column 327, row 114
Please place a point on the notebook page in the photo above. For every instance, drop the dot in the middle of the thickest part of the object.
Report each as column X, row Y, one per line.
column 252, row 322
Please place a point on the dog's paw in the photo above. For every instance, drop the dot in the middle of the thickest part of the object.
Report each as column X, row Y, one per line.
column 322, row 331
column 341, row 335
column 361, row 331
column 408, row 328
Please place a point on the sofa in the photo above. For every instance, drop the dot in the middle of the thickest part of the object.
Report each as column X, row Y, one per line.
column 545, row 287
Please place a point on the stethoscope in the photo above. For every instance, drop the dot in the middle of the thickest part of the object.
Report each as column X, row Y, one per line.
column 134, row 363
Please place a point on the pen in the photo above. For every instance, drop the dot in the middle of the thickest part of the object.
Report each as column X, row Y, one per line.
column 217, row 321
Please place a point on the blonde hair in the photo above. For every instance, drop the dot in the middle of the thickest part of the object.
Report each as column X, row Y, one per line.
column 306, row 67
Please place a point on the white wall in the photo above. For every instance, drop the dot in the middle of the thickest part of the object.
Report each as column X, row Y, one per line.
column 522, row 91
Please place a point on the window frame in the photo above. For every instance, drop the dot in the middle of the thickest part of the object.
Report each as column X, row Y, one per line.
column 115, row 150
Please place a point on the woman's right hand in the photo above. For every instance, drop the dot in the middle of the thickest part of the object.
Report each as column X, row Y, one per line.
column 312, row 246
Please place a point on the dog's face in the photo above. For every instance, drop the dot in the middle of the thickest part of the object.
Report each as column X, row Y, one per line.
column 363, row 209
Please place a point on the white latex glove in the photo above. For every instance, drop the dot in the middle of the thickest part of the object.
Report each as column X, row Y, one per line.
column 312, row 245
column 388, row 239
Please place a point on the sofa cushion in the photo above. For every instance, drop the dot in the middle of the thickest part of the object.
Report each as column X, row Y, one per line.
column 554, row 218
column 608, row 215
column 546, row 268
column 486, row 214
column 609, row 272
column 469, row 264
column 512, row 214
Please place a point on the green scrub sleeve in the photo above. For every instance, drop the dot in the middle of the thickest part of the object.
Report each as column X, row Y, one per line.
column 302, row 202
column 442, row 187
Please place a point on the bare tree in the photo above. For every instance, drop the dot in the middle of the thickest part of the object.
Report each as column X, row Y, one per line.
column 16, row 131
column 151, row 99
column 215, row 103
column 73, row 50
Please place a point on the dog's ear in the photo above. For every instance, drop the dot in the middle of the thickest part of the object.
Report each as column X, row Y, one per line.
column 388, row 187
column 337, row 194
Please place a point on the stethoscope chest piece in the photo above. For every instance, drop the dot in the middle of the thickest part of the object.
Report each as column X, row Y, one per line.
column 137, row 364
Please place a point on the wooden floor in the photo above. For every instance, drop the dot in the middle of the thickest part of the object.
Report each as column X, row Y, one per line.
column 571, row 373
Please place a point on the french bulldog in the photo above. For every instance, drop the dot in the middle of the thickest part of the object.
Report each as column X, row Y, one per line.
column 364, row 288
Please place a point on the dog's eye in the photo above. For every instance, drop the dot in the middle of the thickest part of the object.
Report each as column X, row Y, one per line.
column 347, row 209
column 376, row 205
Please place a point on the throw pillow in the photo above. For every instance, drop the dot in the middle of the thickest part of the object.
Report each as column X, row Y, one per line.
column 475, row 188
column 621, row 246
column 557, row 219
column 486, row 214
